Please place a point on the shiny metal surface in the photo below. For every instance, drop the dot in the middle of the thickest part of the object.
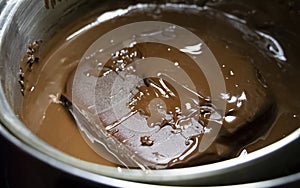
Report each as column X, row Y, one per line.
column 23, row 21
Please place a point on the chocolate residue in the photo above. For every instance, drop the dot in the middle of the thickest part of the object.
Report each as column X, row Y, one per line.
column 30, row 58
column 49, row 3
column 146, row 141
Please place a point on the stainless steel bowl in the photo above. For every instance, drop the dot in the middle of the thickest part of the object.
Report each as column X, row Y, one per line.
column 25, row 154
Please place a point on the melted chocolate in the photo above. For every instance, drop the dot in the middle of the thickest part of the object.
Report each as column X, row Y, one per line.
column 255, row 76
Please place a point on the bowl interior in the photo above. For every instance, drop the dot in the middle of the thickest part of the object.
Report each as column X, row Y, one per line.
column 22, row 22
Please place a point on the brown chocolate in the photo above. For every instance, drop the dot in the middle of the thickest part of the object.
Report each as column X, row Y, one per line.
column 250, row 109
column 256, row 106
